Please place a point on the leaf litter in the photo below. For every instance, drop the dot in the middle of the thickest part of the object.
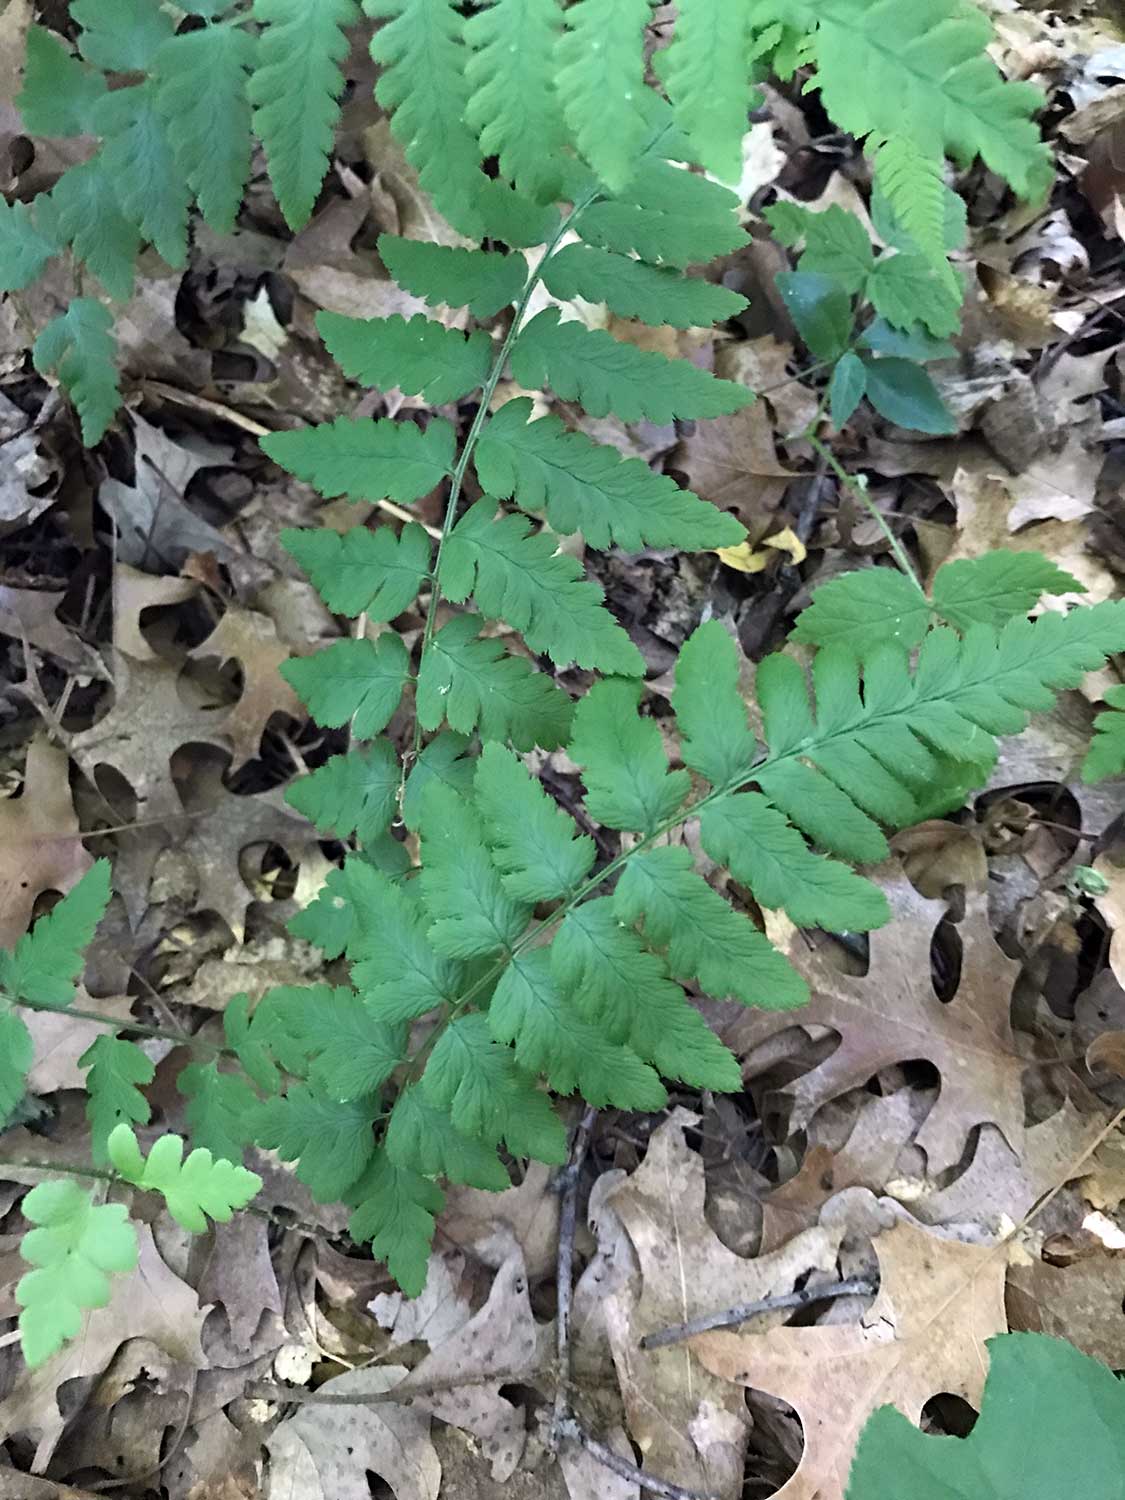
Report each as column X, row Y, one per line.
column 906, row 1128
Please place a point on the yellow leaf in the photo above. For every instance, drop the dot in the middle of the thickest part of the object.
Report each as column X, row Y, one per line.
column 747, row 559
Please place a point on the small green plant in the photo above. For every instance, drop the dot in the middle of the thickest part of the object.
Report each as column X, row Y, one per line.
column 1052, row 1423
column 541, row 969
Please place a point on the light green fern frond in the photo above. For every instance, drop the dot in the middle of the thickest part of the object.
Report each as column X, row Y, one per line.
column 600, row 81
column 704, row 70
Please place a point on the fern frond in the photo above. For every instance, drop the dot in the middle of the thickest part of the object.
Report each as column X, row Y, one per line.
column 329, row 1139
column 351, row 794
column 78, row 347
column 120, row 36
column 632, row 289
column 352, row 681
column 666, row 214
column 395, row 966
column 193, row 1190
column 471, row 682
column 535, row 846
column 423, row 1139
column 219, row 1109
column 518, row 576
column 471, row 912
column 913, row 183
column 140, row 162
column 484, row 281
column 624, row 765
column 363, row 572
column 1106, row 756
column 349, row 1052
column 600, row 81
column 605, row 375
column 24, row 251
column 589, row 488
column 47, row 960
column 513, row 106
column 423, row 84
column 59, row 93
column 117, row 1069
column 88, row 216
column 295, row 90
column 201, row 90
column 395, row 1209
column 366, row 460
column 418, row 356
column 704, row 70
column 444, row 761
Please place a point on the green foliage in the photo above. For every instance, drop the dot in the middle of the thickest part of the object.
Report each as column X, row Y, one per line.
column 366, row 460
column 420, row 357
column 193, row 1190
column 484, row 281
column 77, row 346
column 1106, row 756
column 704, row 71
column 1052, row 1423
column 42, row 969
column 600, row 81
column 352, row 681
column 351, row 794
column 24, row 251
column 117, row 1070
column 74, row 1247
column 363, row 572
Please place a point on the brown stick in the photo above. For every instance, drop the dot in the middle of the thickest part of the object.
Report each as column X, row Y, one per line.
column 857, row 1287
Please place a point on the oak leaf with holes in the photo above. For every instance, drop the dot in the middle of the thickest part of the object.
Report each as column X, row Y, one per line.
column 251, row 639
column 939, row 1300
column 40, row 845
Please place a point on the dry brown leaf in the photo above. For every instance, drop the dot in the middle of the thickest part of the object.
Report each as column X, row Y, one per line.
column 29, row 476
column 240, row 1279
column 733, row 463
column 1081, row 1302
column 892, row 1014
column 937, row 854
column 326, row 1452
column 251, row 639
column 40, row 846
column 530, row 1211
column 1112, row 907
column 690, row 1427
column 29, row 615
column 133, row 593
column 60, row 1040
column 938, row 1302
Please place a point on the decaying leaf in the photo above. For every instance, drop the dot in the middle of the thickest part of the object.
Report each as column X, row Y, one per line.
column 40, row 845
column 251, row 639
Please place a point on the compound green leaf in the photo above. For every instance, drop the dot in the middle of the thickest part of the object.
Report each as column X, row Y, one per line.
column 73, row 1247
column 249, row 1037
column 513, row 106
column 821, row 310
column 472, row 914
column 121, row 36
column 23, row 250
column 201, row 90
column 484, row 281
column 473, row 683
column 329, row 919
column 88, row 215
column 836, row 242
column 476, row 1079
column 590, row 488
column 600, row 82
column 666, row 226
column 444, row 761
column 518, row 576
column 422, row 1138
column 710, row 710
column 553, row 1038
column 624, row 765
column 295, row 90
column 47, row 960
column 139, row 160
column 864, row 610
column 352, row 681
column 995, row 588
column 535, row 845
column 905, row 289
column 910, row 185
column 366, row 460
column 394, row 963
column 1106, row 755
column 194, row 1190
column 395, row 1209
column 901, row 391
column 356, row 793
column 78, row 348
column 330, row 1139
column 604, row 375
column 117, row 1068
column 59, row 91
column 363, row 572
column 219, row 1109
column 351, row 1051
column 17, row 1053
column 704, row 70
column 705, row 938
column 654, row 294
column 416, row 355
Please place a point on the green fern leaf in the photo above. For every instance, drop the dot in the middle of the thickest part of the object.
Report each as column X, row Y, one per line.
column 913, row 185
column 603, row 374
column 704, row 70
column 419, row 357
column 352, row 681
column 710, row 713
column 248, row 1038
column 116, row 1069
column 998, row 587
column 705, row 938
column 624, row 765
column 600, row 83
column 59, row 92
column 551, row 1037
column 589, row 488
column 295, row 90
column 120, row 36
column 535, row 845
column 87, row 215
column 366, row 460
column 78, row 347
column 329, row 919
column 484, row 281
column 1106, row 756
column 363, row 572
column 513, row 106
column 444, row 761
column 623, row 989
column 24, row 251
column 423, row 1139
column 73, row 1247
column 47, row 960
column 631, row 289
column 351, row 794
column 218, row 1110
column 395, row 966
column 476, row 1079
column 330, row 1139
column 139, row 160
column 865, row 610
column 472, row 913
column 473, row 683
column 17, row 1053
column 836, row 242
column 395, row 1210
column 423, row 84
column 193, row 1190
column 519, row 577
column 351, row 1052
column 201, row 91
column 666, row 214
column 905, row 290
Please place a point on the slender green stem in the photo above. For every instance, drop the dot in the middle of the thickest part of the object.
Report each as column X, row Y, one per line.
column 850, row 482
column 119, row 1023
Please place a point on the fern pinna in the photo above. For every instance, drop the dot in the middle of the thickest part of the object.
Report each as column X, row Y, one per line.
column 512, row 956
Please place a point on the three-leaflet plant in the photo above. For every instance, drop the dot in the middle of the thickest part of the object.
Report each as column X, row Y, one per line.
column 512, row 963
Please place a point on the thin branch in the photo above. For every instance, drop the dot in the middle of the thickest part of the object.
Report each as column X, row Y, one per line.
column 732, row 1316
column 567, row 1185
column 571, row 1430
column 404, row 1391
column 850, row 482
column 120, row 1023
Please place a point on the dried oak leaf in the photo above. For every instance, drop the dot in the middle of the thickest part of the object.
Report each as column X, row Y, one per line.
column 892, row 1014
column 40, row 845
column 251, row 639
column 733, row 463
column 1081, row 1302
column 133, row 593
column 29, row 616
column 925, row 1333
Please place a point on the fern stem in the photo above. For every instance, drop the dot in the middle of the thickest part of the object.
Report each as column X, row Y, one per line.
column 850, row 482
column 118, row 1023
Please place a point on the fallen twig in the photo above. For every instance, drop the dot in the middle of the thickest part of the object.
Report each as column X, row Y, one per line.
column 856, row 1287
